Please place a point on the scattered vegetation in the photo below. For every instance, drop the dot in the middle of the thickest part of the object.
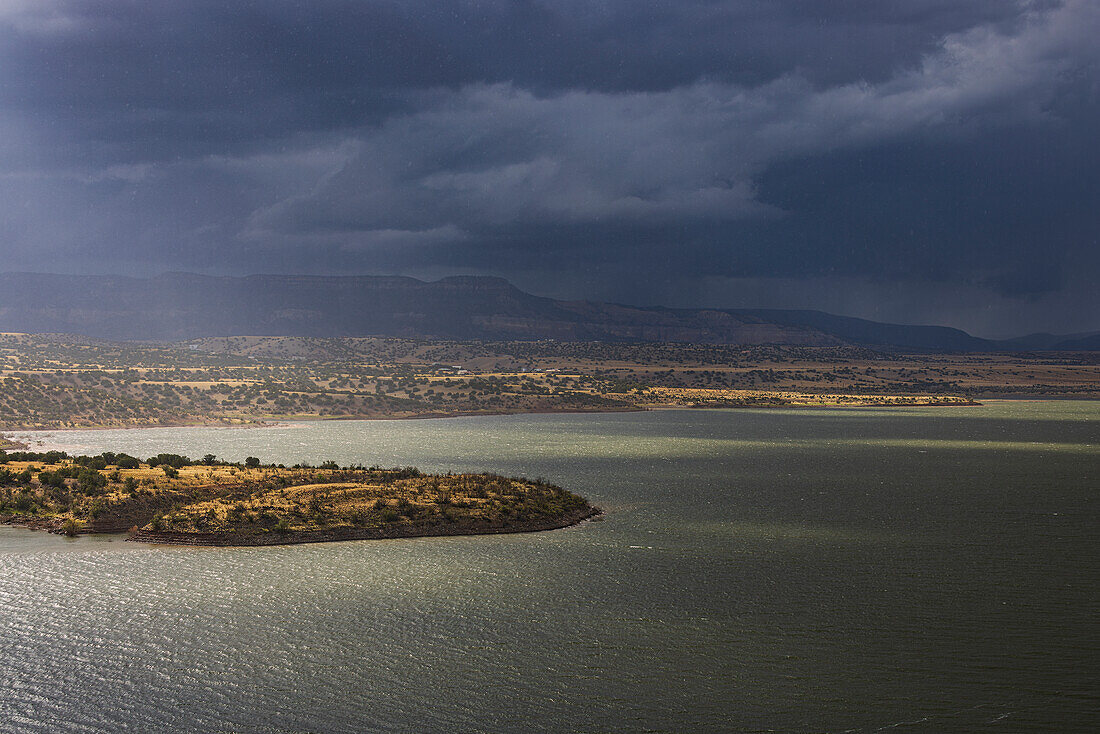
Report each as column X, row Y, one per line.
column 171, row 498
column 58, row 382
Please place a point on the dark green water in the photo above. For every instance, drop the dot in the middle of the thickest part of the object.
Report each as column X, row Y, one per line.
column 811, row 570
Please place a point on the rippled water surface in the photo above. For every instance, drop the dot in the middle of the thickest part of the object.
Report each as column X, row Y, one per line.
column 811, row 570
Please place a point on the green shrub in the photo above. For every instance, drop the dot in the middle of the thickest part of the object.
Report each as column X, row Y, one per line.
column 124, row 461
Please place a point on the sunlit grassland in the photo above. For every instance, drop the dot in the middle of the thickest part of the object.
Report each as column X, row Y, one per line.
column 170, row 494
column 69, row 382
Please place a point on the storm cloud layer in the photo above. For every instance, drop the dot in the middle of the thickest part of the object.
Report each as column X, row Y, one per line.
column 912, row 160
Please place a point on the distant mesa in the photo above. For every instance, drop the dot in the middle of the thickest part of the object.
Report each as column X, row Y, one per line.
column 180, row 306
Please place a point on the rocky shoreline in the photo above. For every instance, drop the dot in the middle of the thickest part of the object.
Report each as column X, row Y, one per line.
column 246, row 539
column 7, row 443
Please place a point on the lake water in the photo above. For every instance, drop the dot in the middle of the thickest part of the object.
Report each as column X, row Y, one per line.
column 856, row 570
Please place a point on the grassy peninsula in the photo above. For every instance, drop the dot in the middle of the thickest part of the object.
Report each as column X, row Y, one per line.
column 173, row 499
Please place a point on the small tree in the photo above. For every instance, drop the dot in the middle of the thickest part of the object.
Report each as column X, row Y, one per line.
column 251, row 462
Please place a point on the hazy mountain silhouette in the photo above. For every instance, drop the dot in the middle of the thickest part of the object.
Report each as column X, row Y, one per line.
column 179, row 306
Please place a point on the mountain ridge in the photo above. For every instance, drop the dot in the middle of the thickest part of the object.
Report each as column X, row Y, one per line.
column 181, row 306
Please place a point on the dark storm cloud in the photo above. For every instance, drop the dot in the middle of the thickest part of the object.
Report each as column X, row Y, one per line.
column 919, row 141
column 175, row 78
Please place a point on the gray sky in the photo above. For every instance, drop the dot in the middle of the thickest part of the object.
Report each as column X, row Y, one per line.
column 916, row 161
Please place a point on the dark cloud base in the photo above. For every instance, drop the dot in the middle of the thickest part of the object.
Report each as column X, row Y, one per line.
column 666, row 152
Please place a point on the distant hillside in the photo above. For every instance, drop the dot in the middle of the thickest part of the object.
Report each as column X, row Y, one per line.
column 181, row 306
column 874, row 333
column 186, row 306
column 1088, row 342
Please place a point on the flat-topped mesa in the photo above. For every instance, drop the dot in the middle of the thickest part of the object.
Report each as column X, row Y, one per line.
column 169, row 499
